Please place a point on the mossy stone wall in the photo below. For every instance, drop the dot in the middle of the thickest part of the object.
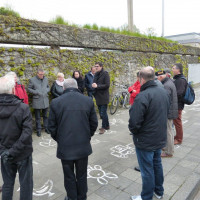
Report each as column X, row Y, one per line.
column 122, row 66
column 121, row 55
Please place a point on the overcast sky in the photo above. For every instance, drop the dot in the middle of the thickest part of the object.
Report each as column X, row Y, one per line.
column 181, row 16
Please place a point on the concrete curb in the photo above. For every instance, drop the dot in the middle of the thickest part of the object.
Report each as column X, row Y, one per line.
column 188, row 189
column 196, row 85
column 194, row 192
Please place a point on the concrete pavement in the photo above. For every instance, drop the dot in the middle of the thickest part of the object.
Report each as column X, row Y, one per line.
column 111, row 174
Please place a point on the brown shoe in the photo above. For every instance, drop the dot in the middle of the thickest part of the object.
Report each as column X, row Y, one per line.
column 177, row 142
column 164, row 155
column 107, row 128
column 102, row 131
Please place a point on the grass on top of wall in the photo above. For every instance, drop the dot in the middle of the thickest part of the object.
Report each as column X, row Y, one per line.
column 122, row 30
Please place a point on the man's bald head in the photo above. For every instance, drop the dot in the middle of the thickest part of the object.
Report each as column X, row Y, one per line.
column 147, row 73
column 150, row 67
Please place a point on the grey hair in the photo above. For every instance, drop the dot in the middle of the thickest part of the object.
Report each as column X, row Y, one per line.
column 12, row 74
column 40, row 70
column 7, row 83
column 150, row 67
column 147, row 73
column 70, row 83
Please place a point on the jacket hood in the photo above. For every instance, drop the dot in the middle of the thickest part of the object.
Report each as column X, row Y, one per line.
column 148, row 84
column 8, row 104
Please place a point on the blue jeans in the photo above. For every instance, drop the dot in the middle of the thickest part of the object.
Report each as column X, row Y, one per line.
column 104, row 116
column 9, row 171
column 151, row 172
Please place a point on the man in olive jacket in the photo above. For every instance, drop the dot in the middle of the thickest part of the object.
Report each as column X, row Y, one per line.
column 148, row 124
column 39, row 88
column 72, row 122
column 173, row 111
column 101, row 83
column 15, row 141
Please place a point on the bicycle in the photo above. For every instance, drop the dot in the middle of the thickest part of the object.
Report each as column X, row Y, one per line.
column 121, row 98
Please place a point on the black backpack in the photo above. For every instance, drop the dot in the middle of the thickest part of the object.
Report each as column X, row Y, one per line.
column 189, row 95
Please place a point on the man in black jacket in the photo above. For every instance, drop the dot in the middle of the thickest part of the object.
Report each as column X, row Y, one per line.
column 173, row 112
column 15, row 141
column 181, row 84
column 148, row 124
column 72, row 122
column 101, row 84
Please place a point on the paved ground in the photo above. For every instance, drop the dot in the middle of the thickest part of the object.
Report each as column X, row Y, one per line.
column 111, row 174
column 197, row 196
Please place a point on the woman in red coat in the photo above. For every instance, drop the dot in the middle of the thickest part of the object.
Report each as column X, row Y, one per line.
column 19, row 88
column 134, row 90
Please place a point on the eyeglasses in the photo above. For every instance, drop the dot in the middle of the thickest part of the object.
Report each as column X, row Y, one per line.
column 97, row 66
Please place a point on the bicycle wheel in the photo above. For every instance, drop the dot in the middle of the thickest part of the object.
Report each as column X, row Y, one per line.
column 114, row 105
column 126, row 101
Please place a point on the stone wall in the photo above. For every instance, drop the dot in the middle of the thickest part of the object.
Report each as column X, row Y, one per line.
column 193, row 73
column 121, row 55
column 122, row 66
column 22, row 31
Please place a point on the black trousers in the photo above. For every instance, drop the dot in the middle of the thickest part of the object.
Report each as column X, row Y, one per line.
column 75, row 178
column 9, row 171
column 90, row 93
column 38, row 118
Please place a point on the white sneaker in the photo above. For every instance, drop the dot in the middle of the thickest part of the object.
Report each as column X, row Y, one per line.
column 157, row 196
column 136, row 197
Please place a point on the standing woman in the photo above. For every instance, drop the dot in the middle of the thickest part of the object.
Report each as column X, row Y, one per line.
column 19, row 88
column 134, row 90
column 80, row 81
column 57, row 87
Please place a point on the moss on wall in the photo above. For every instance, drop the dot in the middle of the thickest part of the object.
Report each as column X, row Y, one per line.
column 14, row 29
column 15, row 24
column 25, row 62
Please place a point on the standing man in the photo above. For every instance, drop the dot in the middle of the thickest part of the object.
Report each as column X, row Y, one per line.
column 89, row 77
column 15, row 141
column 39, row 87
column 173, row 112
column 101, row 84
column 72, row 122
column 148, row 123
column 181, row 84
